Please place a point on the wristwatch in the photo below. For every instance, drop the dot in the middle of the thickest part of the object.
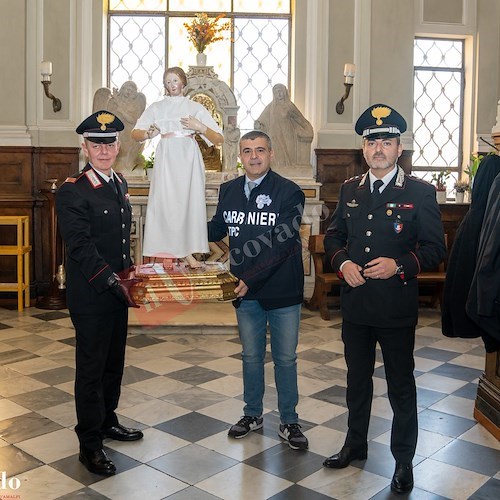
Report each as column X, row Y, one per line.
column 399, row 268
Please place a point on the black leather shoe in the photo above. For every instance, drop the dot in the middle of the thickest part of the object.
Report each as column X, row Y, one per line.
column 97, row 462
column 120, row 433
column 402, row 481
column 344, row 457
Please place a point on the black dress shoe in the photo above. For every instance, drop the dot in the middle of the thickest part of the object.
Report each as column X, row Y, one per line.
column 97, row 462
column 402, row 481
column 120, row 433
column 344, row 457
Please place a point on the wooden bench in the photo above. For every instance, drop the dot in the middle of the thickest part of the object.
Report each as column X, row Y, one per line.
column 325, row 278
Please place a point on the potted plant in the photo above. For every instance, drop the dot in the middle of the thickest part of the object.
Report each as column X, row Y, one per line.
column 472, row 167
column 461, row 187
column 439, row 179
column 145, row 163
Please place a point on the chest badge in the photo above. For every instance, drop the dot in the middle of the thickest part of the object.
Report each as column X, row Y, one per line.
column 262, row 200
column 389, row 212
column 352, row 204
column 398, row 227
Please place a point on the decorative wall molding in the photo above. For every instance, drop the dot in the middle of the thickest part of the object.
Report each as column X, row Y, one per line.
column 14, row 136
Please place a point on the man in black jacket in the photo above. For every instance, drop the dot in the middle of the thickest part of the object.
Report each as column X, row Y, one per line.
column 261, row 212
column 385, row 230
column 94, row 216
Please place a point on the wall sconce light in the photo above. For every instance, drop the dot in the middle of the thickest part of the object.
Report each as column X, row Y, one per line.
column 349, row 73
column 46, row 71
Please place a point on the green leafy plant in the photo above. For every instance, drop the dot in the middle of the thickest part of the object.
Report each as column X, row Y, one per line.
column 475, row 160
column 472, row 167
column 145, row 163
column 440, row 178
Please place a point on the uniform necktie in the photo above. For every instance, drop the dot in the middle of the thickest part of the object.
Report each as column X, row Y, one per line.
column 113, row 185
column 376, row 190
column 251, row 185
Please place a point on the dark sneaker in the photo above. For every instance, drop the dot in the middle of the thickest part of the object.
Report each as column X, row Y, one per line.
column 244, row 426
column 293, row 434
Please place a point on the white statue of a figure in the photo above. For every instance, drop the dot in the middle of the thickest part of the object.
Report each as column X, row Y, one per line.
column 290, row 132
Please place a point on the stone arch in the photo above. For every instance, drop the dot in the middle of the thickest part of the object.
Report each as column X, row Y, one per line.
column 203, row 83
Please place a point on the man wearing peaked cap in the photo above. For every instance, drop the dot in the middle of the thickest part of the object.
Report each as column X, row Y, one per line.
column 380, row 121
column 101, row 127
column 385, row 230
column 94, row 216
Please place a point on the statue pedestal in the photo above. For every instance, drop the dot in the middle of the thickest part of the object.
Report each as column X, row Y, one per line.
column 295, row 172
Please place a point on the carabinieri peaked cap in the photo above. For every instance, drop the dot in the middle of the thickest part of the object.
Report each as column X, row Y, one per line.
column 380, row 121
column 101, row 127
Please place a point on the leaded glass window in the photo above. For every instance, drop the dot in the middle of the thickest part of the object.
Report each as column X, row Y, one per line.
column 438, row 106
column 146, row 36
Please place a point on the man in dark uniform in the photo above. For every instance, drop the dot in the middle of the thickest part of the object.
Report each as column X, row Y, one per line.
column 386, row 229
column 94, row 217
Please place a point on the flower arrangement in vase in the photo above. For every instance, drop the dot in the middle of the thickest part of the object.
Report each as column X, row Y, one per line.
column 461, row 187
column 203, row 30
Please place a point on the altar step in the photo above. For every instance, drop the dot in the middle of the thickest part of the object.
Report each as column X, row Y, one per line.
column 189, row 318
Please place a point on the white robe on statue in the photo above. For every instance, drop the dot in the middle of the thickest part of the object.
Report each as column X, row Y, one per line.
column 176, row 216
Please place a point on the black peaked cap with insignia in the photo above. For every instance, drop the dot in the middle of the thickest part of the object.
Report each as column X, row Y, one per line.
column 380, row 121
column 101, row 127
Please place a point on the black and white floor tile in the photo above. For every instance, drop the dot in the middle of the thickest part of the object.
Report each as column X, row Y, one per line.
column 185, row 390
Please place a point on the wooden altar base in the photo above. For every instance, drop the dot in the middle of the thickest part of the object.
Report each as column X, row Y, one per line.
column 487, row 406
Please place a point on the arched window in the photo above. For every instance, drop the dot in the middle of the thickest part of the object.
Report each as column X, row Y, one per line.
column 145, row 36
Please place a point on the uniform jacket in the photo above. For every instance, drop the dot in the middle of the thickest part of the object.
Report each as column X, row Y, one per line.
column 405, row 224
column 264, row 238
column 95, row 224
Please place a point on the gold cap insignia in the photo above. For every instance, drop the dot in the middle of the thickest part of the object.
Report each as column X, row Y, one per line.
column 105, row 119
column 380, row 112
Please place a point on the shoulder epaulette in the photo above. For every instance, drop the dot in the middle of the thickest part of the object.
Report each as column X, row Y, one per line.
column 354, row 178
column 74, row 178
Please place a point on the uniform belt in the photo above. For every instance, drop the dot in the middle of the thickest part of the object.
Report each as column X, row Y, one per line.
column 175, row 135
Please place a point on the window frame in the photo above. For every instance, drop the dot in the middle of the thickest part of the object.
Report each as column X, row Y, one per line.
column 462, row 72
column 229, row 16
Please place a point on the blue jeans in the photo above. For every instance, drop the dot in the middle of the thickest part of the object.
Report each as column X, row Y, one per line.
column 284, row 329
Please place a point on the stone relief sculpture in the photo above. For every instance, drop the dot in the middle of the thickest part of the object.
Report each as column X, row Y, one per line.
column 202, row 80
column 128, row 104
column 232, row 139
column 290, row 132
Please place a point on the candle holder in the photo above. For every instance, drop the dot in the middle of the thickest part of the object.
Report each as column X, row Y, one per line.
column 349, row 73
column 55, row 297
column 46, row 71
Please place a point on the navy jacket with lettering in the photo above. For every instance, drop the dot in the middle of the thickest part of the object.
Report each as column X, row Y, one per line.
column 264, row 238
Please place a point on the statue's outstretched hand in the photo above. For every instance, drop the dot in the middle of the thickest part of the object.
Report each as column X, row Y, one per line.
column 193, row 123
column 152, row 131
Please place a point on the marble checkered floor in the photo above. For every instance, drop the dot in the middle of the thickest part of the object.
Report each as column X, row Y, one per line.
column 185, row 390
